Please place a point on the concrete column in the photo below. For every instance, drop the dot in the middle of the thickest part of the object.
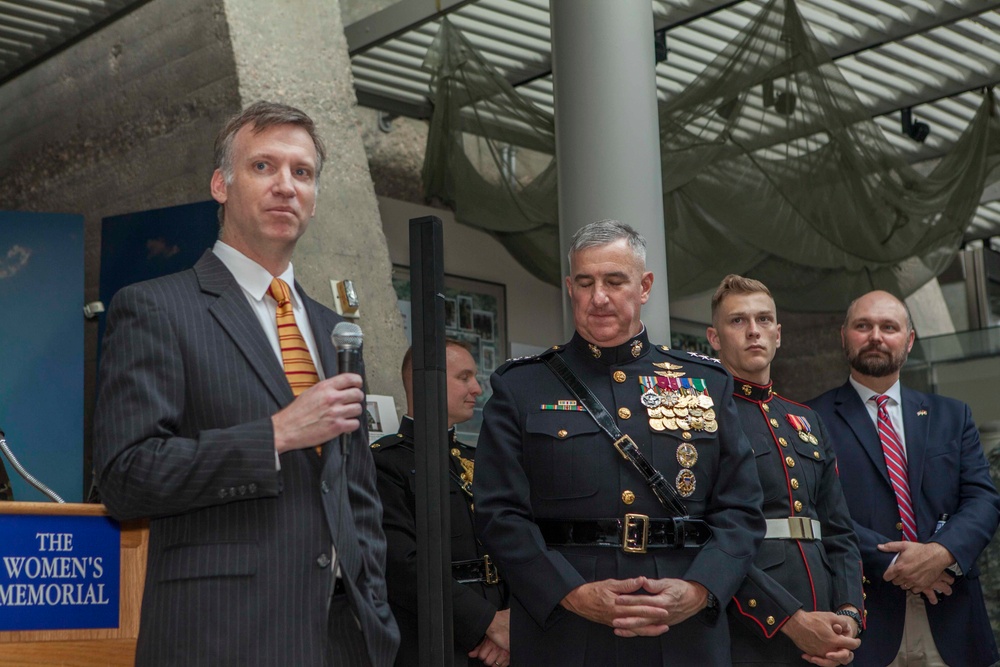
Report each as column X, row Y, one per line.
column 295, row 52
column 607, row 134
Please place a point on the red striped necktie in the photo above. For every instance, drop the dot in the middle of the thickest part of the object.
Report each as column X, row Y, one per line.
column 895, row 461
column 295, row 357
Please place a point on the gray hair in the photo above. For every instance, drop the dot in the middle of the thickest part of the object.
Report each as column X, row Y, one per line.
column 260, row 116
column 604, row 232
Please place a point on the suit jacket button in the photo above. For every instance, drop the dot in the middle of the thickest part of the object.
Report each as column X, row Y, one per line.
column 324, row 486
column 243, row 489
column 323, row 560
column 899, row 525
column 222, row 493
column 252, row 488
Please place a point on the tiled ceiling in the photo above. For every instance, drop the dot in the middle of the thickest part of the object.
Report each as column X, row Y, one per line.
column 935, row 56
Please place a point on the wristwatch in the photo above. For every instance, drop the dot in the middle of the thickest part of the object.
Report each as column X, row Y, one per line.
column 850, row 613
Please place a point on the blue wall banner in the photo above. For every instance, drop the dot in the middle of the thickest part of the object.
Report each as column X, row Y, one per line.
column 59, row 572
column 41, row 349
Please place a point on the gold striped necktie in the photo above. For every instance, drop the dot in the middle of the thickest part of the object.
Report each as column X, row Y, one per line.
column 295, row 357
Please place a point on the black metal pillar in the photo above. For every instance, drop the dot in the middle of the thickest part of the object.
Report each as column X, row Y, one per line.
column 430, row 421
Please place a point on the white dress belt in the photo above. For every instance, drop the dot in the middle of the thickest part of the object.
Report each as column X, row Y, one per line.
column 793, row 528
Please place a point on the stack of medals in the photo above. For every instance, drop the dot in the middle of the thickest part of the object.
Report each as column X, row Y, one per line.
column 801, row 424
column 678, row 403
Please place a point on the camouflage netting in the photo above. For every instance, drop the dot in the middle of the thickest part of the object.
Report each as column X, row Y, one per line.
column 772, row 168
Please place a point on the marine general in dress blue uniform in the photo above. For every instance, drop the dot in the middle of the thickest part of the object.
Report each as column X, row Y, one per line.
column 803, row 597
column 566, row 516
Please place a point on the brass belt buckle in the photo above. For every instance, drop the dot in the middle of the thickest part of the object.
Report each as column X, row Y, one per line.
column 635, row 533
column 800, row 528
column 492, row 576
column 618, row 446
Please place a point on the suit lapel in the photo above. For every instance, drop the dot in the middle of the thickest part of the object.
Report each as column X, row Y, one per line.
column 234, row 315
column 915, row 430
column 322, row 328
column 853, row 411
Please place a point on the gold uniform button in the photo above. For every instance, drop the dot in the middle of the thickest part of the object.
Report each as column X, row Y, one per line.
column 798, row 505
column 686, row 435
column 752, row 603
column 767, row 408
column 774, row 422
column 628, row 497
column 625, row 413
column 562, row 433
column 864, row 596
column 782, row 442
column 770, row 620
column 455, row 451
column 899, row 525
column 816, row 454
column 794, row 483
column 790, row 461
column 619, row 376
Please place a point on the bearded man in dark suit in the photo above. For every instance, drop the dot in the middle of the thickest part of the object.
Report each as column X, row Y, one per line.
column 919, row 491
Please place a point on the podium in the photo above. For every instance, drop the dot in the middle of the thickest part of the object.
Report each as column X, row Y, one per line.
column 84, row 647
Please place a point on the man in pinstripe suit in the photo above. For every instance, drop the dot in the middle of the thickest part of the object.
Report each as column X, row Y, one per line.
column 266, row 545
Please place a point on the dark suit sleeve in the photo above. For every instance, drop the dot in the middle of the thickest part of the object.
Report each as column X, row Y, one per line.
column 472, row 613
column 146, row 465
column 366, row 508
column 972, row 525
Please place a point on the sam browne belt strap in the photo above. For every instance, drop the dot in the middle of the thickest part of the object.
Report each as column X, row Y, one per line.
column 663, row 491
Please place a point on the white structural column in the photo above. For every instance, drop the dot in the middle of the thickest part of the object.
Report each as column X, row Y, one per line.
column 607, row 133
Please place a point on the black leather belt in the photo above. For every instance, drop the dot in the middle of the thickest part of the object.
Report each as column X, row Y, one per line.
column 478, row 571
column 633, row 534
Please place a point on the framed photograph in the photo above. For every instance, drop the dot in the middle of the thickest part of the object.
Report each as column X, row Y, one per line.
column 465, row 312
column 475, row 313
column 487, row 357
column 380, row 414
column 482, row 323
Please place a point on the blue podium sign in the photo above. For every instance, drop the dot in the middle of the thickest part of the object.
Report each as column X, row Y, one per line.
column 59, row 572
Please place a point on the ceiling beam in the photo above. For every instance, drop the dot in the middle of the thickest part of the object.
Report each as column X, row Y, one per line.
column 395, row 20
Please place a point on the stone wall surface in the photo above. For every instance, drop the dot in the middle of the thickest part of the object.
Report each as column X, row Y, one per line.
column 125, row 119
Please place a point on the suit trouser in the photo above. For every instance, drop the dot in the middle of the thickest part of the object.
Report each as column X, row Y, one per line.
column 347, row 643
column 917, row 648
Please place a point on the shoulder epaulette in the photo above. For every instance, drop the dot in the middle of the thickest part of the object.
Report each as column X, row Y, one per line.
column 696, row 357
column 388, row 441
column 518, row 361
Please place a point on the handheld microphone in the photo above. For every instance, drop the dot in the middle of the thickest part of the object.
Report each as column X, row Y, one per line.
column 347, row 338
column 24, row 473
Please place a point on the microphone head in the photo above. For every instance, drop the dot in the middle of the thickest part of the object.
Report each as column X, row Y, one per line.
column 347, row 336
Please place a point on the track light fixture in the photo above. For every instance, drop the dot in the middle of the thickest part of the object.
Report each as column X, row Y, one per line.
column 914, row 129
column 784, row 103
